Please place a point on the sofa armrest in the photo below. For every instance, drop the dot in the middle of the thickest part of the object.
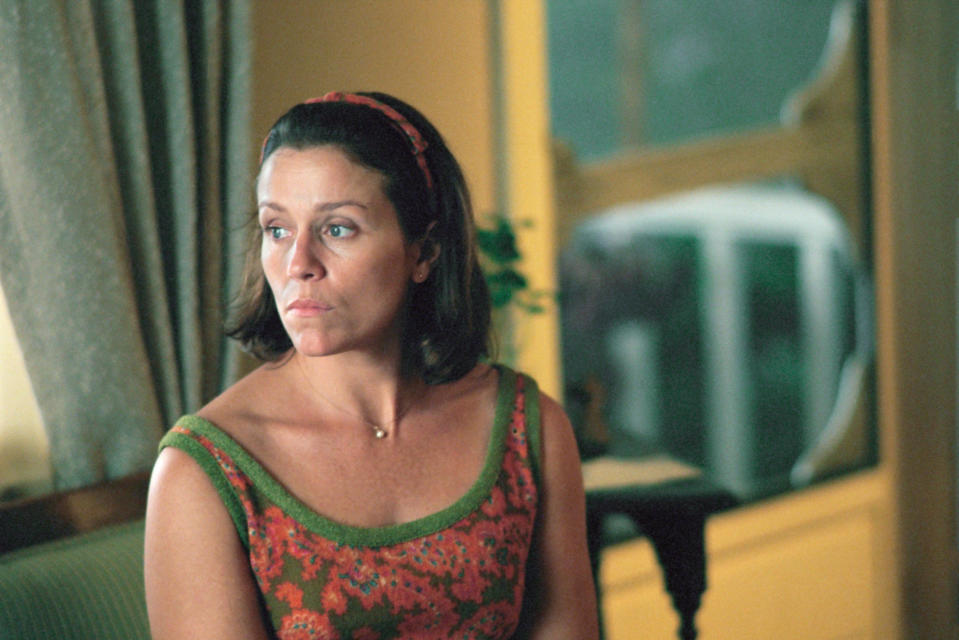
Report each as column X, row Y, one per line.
column 82, row 587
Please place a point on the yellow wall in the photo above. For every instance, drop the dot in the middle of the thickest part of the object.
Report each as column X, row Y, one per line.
column 812, row 565
column 24, row 454
column 528, row 177
column 916, row 182
column 430, row 53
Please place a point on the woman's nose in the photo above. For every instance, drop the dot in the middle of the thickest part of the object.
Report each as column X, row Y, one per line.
column 304, row 261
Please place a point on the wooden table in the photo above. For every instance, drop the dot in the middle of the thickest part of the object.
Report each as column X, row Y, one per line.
column 668, row 502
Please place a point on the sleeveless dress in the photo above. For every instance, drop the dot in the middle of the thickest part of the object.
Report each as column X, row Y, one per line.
column 458, row 573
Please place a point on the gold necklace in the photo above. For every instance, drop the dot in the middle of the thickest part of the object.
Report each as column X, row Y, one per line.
column 379, row 431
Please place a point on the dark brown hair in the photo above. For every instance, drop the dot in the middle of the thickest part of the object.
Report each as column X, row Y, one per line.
column 447, row 325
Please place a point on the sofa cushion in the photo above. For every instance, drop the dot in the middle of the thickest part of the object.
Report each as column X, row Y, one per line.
column 85, row 587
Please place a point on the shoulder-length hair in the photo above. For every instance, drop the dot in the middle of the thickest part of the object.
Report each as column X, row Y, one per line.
column 447, row 327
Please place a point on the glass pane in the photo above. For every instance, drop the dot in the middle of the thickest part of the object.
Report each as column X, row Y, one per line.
column 655, row 72
column 724, row 326
column 724, row 321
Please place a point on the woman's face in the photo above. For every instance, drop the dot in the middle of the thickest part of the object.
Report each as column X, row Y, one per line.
column 333, row 252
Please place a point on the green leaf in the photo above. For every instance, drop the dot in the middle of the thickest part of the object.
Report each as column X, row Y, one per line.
column 499, row 243
column 497, row 246
column 508, row 278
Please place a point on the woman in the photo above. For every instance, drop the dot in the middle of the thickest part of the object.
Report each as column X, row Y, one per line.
column 373, row 478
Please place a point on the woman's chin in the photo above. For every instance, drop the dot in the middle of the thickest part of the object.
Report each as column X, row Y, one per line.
column 314, row 346
column 323, row 343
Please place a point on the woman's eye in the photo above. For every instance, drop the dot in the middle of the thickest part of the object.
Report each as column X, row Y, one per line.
column 275, row 233
column 339, row 231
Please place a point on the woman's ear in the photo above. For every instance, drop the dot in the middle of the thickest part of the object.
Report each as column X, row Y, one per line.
column 429, row 252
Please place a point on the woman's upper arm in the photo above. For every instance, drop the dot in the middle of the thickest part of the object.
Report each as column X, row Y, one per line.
column 198, row 579
column 564, row 601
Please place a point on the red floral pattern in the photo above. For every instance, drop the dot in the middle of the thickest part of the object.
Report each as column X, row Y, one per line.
column 463, row 581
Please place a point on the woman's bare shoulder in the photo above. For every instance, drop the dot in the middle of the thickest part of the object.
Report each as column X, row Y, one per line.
column 178, row 478
column 190, row 536
column 244, row 403
column 483, row 378
column 478, row 387
column 552, row 412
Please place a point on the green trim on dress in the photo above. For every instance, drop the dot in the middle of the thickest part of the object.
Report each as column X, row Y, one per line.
column 213, row 470
column 266, row 485
column 533, row 428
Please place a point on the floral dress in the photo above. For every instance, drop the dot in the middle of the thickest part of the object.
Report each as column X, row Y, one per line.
column 458, row 573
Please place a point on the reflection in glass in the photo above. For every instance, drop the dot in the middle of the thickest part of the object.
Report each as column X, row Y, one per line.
column 718, row 325
column 625, row 73
column 713, row 211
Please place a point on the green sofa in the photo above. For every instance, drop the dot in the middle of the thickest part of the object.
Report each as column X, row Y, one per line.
column 83, row 587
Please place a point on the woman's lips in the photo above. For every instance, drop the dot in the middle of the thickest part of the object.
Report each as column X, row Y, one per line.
column 307, row 307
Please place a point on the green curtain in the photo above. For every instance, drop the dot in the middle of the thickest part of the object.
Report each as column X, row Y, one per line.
column 124, row 184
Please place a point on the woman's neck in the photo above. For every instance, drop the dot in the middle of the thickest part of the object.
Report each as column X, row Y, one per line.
column 372, row 391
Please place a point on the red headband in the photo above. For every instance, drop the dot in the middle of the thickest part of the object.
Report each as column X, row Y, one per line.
column 403, row 125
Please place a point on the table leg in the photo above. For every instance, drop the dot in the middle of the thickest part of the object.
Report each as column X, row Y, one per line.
column 680, row 546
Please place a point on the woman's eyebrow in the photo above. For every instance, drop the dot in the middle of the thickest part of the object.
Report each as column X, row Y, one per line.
column 267, row 204
column 325, row 206
column 330, row 206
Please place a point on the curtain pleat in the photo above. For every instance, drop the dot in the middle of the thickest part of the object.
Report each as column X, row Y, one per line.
column 124, row 175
